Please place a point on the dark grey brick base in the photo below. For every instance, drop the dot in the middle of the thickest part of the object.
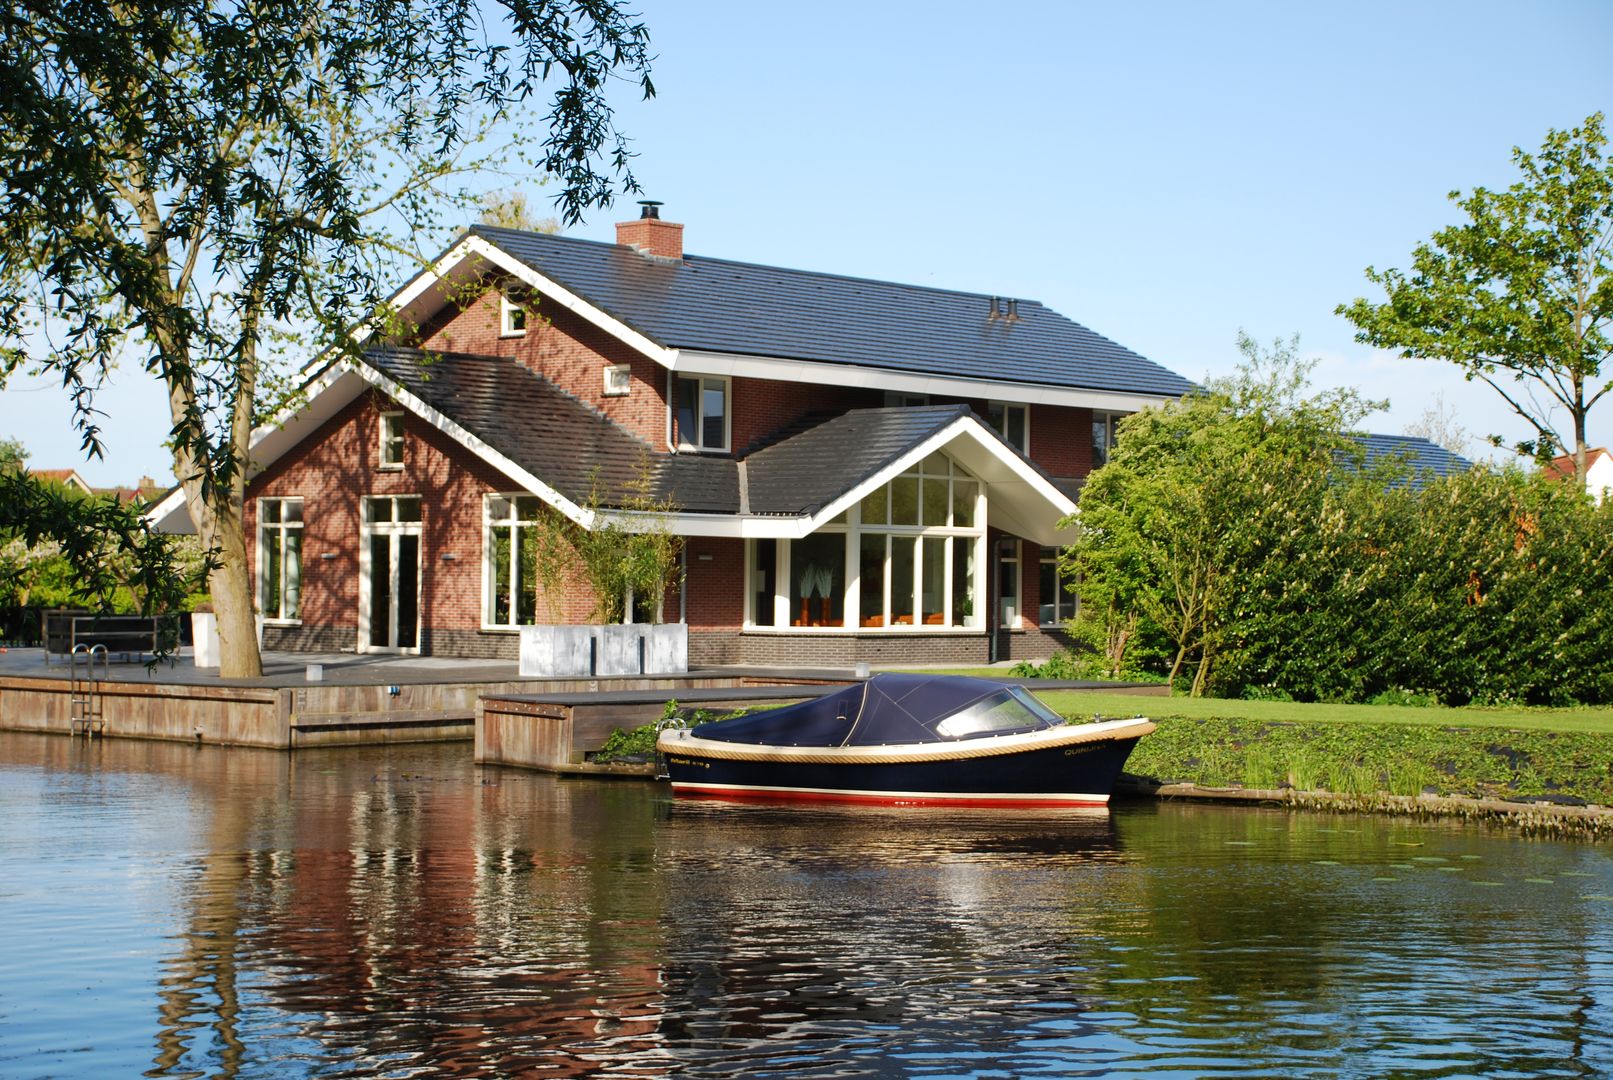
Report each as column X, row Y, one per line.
column 843, row 650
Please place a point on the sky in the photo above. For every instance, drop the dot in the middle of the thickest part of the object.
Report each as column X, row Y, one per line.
column 1165, row 174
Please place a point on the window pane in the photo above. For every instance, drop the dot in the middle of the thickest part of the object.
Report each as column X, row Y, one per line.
column 875, row 505
column 498, row 508
column 271, row 511
column 377, row 510
column 686, row 395
column 713, row 412
column 764, row 582
column 1008, row 591
column 933, row 595
column 1016, row 426
column 963, row 503
column 871, row 569
column 271, row 573
column 380, row 590
column 291, row 604
column 408, row 509
column 526, row 578
column 1047, row 591
column 817, row 580
column 937, row 465
column 498, row 559
column 902, row 579
column 905, row 500
column 408, row 591
column 291, row 510
column 527, row 507
column 935, row 501
column 963, row 581
column 1100, row 441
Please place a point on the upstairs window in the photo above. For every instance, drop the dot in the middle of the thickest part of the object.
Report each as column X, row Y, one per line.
column 1104, row 431
column 1012, row 422
column 280, row 559
column 512, row 318
column 392, row 440
column 700, row 404
column 898, row 399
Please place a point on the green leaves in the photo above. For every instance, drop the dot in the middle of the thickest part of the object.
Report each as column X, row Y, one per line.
column 1520, row 295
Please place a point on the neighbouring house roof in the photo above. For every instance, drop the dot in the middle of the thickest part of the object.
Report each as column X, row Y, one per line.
column 1563, row 464
column 1425, row 461
column 68, row 477
column 716, row 305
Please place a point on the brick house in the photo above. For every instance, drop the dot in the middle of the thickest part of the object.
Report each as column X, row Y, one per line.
column 860, row 470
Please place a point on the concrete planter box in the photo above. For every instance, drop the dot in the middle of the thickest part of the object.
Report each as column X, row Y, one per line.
column 551, row 652
column 204, row 638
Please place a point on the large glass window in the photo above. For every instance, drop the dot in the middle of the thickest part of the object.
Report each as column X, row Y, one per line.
column 510, row 551
column 1012, row 422
column 280, row 559
column 700, row 406
column 913, row 544
column 1054, row 597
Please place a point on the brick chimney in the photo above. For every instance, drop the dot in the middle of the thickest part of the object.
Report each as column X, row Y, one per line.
column 649, row 235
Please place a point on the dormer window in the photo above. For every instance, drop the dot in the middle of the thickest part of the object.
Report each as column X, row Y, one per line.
column 512, row 318
column 1012, row 422
column 700, row 412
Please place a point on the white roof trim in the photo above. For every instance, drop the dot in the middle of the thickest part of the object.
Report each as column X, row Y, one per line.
column 811, row 371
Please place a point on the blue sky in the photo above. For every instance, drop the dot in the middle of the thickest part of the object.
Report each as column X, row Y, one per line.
column 1162, row 173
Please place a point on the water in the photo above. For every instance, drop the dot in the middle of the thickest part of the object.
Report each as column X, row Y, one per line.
column 174, row 911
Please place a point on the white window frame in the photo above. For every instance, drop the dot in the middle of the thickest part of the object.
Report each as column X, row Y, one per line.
column 959, row 540
column 1016, row 560
column 1065, row 601
column 391, row 438
column 282, row 527
column 391, row 527
column 618, row 380
column 675, row 432
column 1006, row 407
column 515, row 522
column 509, row 312
column 1111, row 423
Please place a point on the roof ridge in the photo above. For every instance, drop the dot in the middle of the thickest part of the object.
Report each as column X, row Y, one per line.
column 793, row 270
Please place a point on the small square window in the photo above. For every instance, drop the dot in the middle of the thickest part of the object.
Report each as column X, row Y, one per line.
column 392, row 440
column 700, row 412
column 512, row 318
column 1012, row 422
column 618, row 380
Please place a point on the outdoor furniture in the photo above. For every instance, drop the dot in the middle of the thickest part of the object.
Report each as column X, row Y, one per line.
column 132, row 637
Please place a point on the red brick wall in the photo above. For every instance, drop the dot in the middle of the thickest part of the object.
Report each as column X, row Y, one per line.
column 714, row 587
column 335, row 467
column 567, row 350
column 764, row 406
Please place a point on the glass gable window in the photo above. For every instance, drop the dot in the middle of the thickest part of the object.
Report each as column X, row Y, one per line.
column 1012, row 422
column 910, row 550
column 1056, row 600
column 700, row 412
column 280, row 559
column 510, row 556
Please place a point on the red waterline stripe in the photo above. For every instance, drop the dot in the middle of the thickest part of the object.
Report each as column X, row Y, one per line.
column 700, row 791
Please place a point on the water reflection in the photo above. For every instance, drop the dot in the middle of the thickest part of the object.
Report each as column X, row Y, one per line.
column 400, row 912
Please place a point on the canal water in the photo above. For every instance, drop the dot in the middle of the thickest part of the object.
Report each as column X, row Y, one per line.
column 178, row 911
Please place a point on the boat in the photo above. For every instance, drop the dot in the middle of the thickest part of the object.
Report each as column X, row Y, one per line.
column 905, row 739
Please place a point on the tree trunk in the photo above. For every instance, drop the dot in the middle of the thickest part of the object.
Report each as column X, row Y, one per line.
column 1204, row 670
column 223, row 531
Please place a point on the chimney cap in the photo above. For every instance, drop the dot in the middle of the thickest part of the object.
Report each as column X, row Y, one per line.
column 652, row 208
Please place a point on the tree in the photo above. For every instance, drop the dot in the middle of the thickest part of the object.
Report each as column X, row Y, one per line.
column 1520, row 296
column 199, row 181
column 13, row 455
column 512, row 210
column 1440, row 426
column 1207, row 502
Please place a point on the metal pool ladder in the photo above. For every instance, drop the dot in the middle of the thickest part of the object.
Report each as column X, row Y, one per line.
column 85, row 708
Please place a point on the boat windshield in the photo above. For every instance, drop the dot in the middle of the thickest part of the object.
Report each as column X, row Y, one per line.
column 1015, row 709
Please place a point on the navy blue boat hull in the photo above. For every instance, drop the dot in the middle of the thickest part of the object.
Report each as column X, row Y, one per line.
column 1066, row 775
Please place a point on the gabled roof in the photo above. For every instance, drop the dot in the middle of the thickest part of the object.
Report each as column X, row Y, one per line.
column 1424, row 460
column 1562, row 465
column 718, row 306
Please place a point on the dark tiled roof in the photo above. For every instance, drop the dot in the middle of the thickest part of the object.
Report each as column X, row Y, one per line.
column 1424, row 460
column 551, row 434
column 732, row 307
column 808, row 468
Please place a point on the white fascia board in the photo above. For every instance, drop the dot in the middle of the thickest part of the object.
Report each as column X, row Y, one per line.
column 568, row 299
column 808, row 371
column 982, row 439
column 476, row 446
column 170, row 515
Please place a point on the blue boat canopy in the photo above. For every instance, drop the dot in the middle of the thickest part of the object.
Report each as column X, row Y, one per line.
column 892, row 709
